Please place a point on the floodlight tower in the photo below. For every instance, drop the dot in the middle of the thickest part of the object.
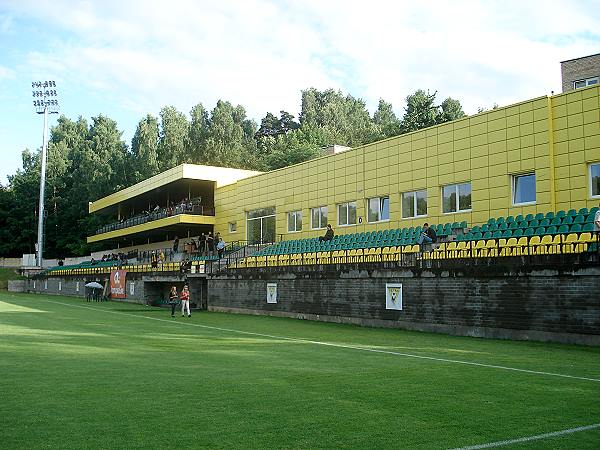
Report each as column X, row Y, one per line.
column 45, row 101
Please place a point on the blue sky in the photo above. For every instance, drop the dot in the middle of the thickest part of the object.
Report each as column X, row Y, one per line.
column 125, row 59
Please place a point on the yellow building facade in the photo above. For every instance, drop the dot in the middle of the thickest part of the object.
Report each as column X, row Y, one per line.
column 539, row 155
column 556, row 139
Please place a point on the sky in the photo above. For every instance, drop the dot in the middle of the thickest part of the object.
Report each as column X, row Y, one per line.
column 125, row 59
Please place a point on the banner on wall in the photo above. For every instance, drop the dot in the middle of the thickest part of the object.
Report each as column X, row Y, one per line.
column 117, row 284
column 271, row 292
column 393, row 296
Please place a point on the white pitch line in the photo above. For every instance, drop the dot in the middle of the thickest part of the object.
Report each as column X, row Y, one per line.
column 530, row 438
column 332, row 344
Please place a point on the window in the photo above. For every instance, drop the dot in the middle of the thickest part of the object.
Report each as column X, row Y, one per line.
column 414, row 204
column 595, row 179
column 347, row 213
column 232, row 227
column 456, row 198
column 319, row 217
column 295, row 221
column 379, row 209
column 261, row 225
column 583, row 83
column 523, row 189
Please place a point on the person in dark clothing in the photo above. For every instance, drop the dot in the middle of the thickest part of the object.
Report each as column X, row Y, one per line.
column 328, row 234
column 175, row 244
column 428, row 236
column 210, row 244
column 173, row 300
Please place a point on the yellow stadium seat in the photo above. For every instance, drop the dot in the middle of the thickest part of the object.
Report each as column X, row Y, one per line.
column 284, row 260
column 491, row 246
column 324, row 257
column 339, row 257
column 535, row 245
column 387, row 252
column 569, row 243
column 296, row 259
column 480, row 250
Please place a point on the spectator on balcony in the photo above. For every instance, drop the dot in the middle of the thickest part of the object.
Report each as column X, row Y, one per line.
column 202, row 244
column 210, row 244
column 154, row 260
column 175, row 244
column 220, row 247
column 428, row 236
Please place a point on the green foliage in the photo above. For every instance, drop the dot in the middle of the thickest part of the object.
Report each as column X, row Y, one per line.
column 89, row 161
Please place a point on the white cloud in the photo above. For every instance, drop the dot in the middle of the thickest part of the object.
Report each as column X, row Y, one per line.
column 262, row 53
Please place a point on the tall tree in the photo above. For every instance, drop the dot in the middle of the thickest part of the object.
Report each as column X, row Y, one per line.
column 173, row 135
column 420, row 111
column 450, row 110
column 197, row 135
column 385, row 120
column 144, row 148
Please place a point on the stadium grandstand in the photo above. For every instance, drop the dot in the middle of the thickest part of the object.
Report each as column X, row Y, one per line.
column 514, row 189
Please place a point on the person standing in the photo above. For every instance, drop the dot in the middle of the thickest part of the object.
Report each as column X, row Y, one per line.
column 221, row 247
column 175, row 244
column 210, row 244
column 185, row 301
column 173, row 297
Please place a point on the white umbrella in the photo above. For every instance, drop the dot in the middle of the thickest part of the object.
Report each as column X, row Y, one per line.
column 94, row 285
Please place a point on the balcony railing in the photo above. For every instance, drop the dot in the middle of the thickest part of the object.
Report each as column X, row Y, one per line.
column 199, row 210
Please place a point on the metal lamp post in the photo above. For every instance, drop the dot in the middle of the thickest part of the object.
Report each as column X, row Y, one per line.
column 45, row 101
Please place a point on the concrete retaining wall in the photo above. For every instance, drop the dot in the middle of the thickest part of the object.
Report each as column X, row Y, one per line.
column 484, row 302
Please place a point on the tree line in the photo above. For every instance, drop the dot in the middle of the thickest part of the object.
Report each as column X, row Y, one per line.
column 89, row 160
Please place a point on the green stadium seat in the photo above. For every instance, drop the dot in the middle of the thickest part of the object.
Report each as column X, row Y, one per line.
column 583, row 212
column 529, row 232
column 503, row 226
column 507, row 234
column 477, row 236
column 552, row 230
column 497, row 234
column 486, row 227
column 563, row 229
column 500, row 220
column 588, row 227
column 534, row 223
column 491, row 221
column 487, row 235
column 523, row 224
column 572, row 213
column 539, row 216
column 579, row 218
column 594, row 210
column 540, row 231
column 575, row 228
column 519, row 218
column 568, row 220
column 513, row 225
column 510, row 219
column 557, row 221
column 545, row 223
column 477, row 228
column 550, row 215
column 463, row 224
column 529, row 217
column 517, row 233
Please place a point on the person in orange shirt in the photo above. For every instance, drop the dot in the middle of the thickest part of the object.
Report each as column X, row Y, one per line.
column 185, row 301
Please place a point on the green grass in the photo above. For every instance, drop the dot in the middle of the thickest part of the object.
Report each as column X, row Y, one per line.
column 107, row 375
column 8, row 274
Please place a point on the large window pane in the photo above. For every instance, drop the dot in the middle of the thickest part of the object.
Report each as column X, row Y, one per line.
column 385, row 208
column 343, row 214
column 421, row 203
column 268, row 229
column 261, row 212
column 298, row 220
column 373, row 213
column 464, row 196
column 524, row 189
column 595, row 179
column 408, row 204
column 254, row 231
column 323, row 217
column 316, row 218
column 449, row 198
column 352, row 213
column 291, row 222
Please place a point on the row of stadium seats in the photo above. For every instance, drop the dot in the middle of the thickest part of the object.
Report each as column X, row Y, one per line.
column 518, row 232
column 492, row 248
column 524, row 224
column 373, row 239
column 541, row 216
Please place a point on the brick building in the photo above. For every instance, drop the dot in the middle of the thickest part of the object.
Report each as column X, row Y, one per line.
column 580, row 72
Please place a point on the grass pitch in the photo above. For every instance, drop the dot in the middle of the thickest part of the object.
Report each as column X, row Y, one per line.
column 83, row 375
